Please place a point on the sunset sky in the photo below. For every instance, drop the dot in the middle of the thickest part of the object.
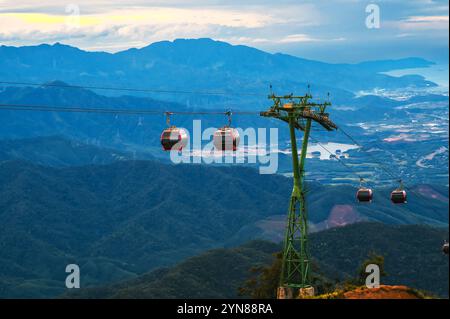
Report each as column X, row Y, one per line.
column 332, row 31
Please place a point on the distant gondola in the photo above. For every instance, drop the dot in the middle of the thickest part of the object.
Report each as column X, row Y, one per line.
column 445, row 248
column 398, row 196
column 364, row 195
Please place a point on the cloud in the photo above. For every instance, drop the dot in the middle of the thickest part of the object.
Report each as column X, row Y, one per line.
column 298, row 38
column 146, row 16
column 292, row 26
column 425, row 23
column 126, row 26
column 142, row 25
column 293, row 38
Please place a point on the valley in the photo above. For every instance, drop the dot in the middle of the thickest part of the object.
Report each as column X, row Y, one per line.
column 121, row 219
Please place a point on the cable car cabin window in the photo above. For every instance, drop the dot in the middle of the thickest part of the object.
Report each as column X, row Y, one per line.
column 364, row 195
column 170, row 136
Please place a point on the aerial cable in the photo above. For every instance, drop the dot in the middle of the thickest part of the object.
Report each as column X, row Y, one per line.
column 77, row 109
column 401, row 181
column 380, row 164
column 361, row 179
column 122, row 111
column 149, row 90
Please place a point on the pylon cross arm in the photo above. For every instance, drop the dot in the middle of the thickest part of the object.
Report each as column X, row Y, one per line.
column 283, row 118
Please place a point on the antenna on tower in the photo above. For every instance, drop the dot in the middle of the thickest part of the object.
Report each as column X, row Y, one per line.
column 271, row 90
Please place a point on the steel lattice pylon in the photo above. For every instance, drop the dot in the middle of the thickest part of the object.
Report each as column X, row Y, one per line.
column 299, row 113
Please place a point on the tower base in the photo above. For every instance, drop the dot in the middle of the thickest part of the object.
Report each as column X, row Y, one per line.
column 306, row 292
column 288, row 293
column 285, row 293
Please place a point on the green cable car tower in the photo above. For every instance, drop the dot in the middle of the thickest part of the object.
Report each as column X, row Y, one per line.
column 299, row 112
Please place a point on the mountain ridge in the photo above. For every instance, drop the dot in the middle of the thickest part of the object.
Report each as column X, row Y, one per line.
column 203, row 63
column 58, row 151
column 406, row 62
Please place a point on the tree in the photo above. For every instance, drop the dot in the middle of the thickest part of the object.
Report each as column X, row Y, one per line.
column 265, row 280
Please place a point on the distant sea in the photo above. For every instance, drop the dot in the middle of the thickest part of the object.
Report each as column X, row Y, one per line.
column 437, row 73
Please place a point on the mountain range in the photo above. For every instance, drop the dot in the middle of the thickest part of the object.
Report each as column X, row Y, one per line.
column 208, row 65
column 122, row 219
column 202, row 64
column 57, row 151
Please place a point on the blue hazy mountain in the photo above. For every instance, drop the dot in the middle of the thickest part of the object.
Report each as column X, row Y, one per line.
column 139, row 135
column 58, row 151
column 128, row 132
column 201, row 64
column 109, row 129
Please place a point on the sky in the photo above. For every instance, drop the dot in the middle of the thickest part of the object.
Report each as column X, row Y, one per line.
column 328, row 30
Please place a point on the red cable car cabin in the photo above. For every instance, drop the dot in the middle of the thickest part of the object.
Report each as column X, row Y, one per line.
column 174, row 139
column 364, row 195
column 398, row 196
column 226, row 139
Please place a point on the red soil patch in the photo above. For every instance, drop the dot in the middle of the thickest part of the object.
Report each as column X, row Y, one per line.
column 342, row 215
column 383, row 292
column 427, row 191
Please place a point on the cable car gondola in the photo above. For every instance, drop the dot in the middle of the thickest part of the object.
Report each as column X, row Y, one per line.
column 173, row 138
column 364, row 194
column 226, row 138
column 445, row 248
column 398, row 196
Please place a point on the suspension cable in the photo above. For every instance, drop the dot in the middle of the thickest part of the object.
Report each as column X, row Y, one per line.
column 381, row 165
column 146, row 90
column 78, row 109
column 341, row 162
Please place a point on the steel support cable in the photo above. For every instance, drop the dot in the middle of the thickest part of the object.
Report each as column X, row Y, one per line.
column 78, row 109
column 342, row 162
column 149, row 90
column 382, row 165
column 43, row 108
